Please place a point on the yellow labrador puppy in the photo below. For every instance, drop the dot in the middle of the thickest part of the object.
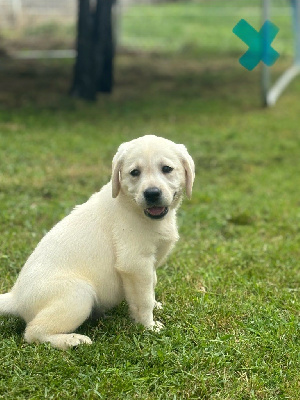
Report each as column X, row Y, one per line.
column 106, row 249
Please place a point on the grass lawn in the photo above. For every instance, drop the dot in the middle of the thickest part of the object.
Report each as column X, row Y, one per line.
column 231, row 287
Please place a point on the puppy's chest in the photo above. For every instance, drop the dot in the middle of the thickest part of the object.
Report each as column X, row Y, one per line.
column 163, row 246
column 167, row 235
column 165, row 239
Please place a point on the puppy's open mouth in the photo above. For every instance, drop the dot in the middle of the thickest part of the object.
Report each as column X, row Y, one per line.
column 156, row 212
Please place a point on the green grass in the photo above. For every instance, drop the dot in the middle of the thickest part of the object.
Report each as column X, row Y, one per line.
column 201, row 28
column 240, row 235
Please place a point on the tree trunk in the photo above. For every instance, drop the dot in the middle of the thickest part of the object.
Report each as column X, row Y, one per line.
column 104, row 46
column 93, row 71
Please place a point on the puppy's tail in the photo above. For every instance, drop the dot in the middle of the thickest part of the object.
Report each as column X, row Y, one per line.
column 7, row 304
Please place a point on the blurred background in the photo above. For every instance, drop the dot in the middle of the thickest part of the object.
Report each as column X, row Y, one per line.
column 156, row 25
column 199, row 30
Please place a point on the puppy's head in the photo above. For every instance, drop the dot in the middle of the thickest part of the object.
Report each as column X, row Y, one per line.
column 153, row 172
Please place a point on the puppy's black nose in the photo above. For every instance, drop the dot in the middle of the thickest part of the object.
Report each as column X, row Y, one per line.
column 152, row 194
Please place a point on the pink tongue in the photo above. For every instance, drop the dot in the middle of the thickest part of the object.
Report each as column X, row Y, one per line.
column 155, row 210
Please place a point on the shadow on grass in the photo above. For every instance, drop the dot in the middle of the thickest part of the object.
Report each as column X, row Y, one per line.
column 155, row 80
column 12, row 327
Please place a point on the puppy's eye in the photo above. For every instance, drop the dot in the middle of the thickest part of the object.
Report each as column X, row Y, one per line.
column 135, row 172
column 166, row 169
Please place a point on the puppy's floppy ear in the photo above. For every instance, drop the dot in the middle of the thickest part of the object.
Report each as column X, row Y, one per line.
column 189, row 166
column 116, row 169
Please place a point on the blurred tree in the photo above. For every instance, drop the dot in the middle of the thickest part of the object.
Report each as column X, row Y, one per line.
column 93, row 70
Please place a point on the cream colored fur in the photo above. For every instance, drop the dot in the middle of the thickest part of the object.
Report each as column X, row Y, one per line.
column 105, row 250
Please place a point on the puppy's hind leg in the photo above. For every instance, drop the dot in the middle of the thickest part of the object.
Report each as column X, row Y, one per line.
column 8, row 304
column 54, row 323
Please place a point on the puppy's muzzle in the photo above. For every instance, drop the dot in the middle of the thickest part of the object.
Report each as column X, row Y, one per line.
column 153, row 198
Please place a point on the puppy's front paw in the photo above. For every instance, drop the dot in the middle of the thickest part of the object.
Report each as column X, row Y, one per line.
column 156, row 326
column 158, row 305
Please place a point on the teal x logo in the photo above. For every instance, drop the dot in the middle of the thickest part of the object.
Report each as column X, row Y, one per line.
column 259, row 43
